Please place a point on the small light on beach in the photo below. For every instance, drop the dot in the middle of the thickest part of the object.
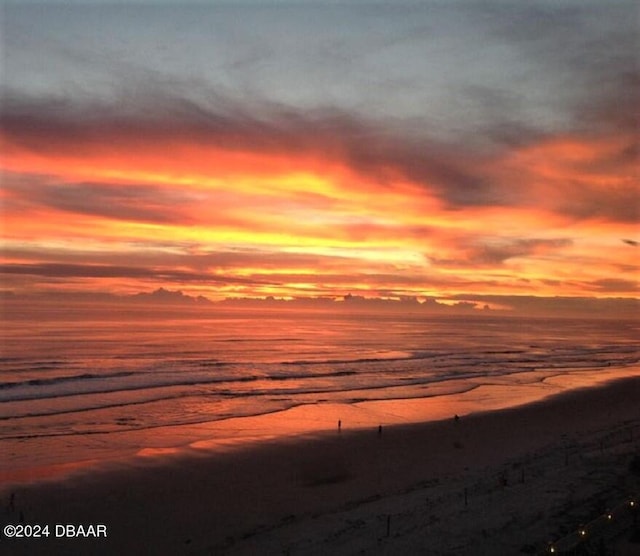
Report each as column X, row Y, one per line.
column 609, row 516
column 583, row 532
column 632, row 503
column 552, row 549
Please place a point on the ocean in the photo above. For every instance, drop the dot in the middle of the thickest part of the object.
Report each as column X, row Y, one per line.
column 66, row 375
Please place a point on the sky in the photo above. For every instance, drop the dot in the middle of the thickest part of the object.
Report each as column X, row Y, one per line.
column 312, row 149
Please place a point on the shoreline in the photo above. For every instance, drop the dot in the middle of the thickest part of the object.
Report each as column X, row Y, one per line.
column 297, row 492
column 31, row 460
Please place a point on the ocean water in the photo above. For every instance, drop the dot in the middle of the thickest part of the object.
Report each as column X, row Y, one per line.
column 65, row 375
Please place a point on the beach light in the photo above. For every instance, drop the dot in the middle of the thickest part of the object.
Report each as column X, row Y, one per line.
column 583, row 532
column 632, row 503
column 609, row 516
column 552, row 549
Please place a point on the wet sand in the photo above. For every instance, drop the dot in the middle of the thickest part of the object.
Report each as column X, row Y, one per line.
column 500, row 482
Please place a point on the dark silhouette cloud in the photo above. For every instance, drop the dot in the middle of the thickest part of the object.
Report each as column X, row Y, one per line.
column 615, row 285
column 70, row 271
column 134, row 202
column 562, row 306
column 496, row 251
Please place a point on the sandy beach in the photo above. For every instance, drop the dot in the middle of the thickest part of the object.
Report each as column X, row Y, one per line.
column 502, row 482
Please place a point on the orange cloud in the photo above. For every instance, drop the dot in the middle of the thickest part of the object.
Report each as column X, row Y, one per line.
column 278, row 210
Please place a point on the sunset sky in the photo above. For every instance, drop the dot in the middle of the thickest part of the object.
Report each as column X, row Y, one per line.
column 431, row 149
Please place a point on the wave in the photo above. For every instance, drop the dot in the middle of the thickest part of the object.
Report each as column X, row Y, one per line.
column 478, row 356
column 96, row 383
column 284, row 404
column 160, row 393
column 392, row 389
column 412, row 357
column 84, row 409
column 403, row 370
column 61, row 379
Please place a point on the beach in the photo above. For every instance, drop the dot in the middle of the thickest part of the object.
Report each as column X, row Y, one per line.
column 319, row 278
column 506, row 481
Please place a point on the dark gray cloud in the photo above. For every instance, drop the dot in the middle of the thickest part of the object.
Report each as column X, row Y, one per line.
column 615, row 285
column 133, row 202
column 561, row 306
column 497, row 251
column 505, row 250
column 178, row 254
column 79, row 271
column 621, row 203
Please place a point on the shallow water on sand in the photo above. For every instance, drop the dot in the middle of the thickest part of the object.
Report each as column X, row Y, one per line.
column 92, row 378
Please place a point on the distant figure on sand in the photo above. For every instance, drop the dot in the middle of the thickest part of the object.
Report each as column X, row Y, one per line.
column 339, row 425
column 456, row 418
column 379, row 430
